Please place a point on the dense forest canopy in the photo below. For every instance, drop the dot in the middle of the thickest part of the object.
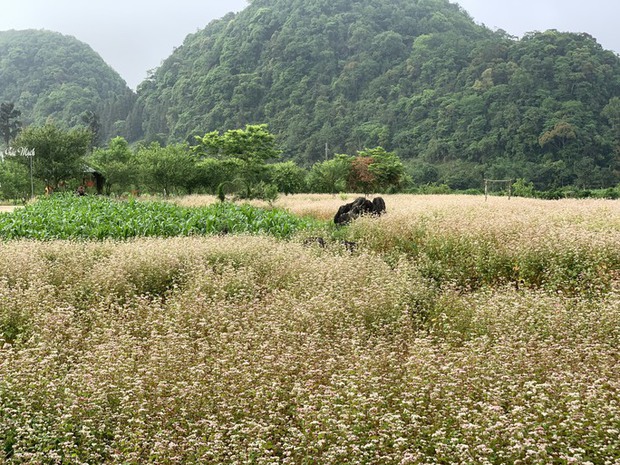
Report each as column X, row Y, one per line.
column 48, row 75
column 456, row 101
column 312, row 69
column 415, row 76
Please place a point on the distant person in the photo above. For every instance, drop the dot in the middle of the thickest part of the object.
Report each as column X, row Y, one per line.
column 80, row 191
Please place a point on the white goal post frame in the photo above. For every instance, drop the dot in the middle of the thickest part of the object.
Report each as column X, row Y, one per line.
column 497, row 181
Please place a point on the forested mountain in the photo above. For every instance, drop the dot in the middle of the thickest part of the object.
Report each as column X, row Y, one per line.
column 418, row 77
column 457, row 101
column 46, row 74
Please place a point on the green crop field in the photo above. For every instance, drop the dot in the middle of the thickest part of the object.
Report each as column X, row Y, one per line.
column 70, row 217
column 457, row 331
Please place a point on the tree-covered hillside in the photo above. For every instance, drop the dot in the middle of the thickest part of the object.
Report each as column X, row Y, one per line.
column 46, row 74
column 417, row 77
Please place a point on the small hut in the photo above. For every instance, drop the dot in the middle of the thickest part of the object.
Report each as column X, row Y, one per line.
column 93, row 178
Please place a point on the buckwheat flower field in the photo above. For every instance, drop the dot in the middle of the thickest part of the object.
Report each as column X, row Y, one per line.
column 457, row 331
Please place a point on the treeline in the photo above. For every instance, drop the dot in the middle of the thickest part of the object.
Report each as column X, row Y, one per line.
column 240, row 163
column 244, row 163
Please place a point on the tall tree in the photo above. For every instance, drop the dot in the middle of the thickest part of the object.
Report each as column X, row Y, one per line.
column 386, row 167
column 251, row 147
column 59, row 154
column 9, row 122
column 330, row 176
column 14, row 180
column 612, row 113
column 116, row 164
column 288, row 177
column 166, row 169
column 361, row 179
column 91, row 120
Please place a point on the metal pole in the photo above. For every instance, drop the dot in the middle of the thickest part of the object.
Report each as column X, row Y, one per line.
column 31, row 181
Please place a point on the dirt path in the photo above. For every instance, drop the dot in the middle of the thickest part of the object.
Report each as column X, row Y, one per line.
column 8, row 208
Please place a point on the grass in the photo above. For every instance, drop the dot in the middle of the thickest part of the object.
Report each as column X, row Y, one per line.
column 250, row 349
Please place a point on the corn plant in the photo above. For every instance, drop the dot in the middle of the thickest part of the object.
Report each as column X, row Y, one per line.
column 70, row 217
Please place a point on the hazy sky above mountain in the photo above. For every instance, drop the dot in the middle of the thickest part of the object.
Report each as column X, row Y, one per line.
column 134, row 36
column 598, row 18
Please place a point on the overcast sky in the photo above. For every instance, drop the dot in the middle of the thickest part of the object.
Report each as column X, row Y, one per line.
column 134, row 36
column 598, row 18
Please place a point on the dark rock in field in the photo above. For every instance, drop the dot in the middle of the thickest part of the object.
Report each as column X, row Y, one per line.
column 315, row 240
column 360, row 206
column 350, row 246
column 348, row 212
column 378, row 206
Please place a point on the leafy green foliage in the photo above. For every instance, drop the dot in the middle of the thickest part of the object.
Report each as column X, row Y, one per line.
column 330, row 176
column 9, row 123
column 521, row 188
column 288, row 177
column 211, row 173
column 93, row 217
column 386, row 167
column 249, row 148
column 116, row 164
column 91, row 120
column 59, row 154
column 166, row 169
column 372, row 170
column 254, row 144
column 14, row 180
